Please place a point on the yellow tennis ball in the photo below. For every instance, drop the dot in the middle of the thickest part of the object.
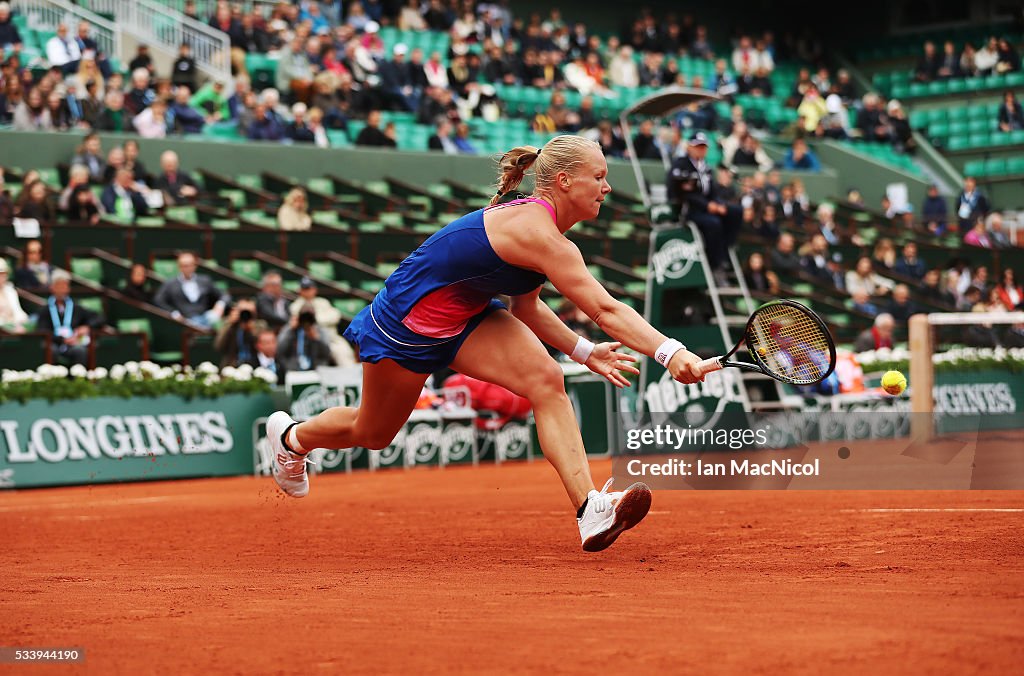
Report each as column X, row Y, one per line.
column 894, row 382
column 762, row 351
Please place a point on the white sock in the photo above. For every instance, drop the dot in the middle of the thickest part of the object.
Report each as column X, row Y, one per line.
column 293, row 441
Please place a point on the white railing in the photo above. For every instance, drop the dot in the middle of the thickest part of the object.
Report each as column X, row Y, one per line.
column 159, row 26
column 46, row 14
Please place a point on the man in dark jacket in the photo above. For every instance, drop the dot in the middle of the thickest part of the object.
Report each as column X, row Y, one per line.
column 191, row 296
column 120, row 198
column 690, row 183
column 176, row 185
column 68, row 322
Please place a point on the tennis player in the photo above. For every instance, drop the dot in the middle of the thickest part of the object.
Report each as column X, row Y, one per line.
column 438, row 309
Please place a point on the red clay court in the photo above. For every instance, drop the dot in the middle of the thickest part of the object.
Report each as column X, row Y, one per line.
column 480, row 570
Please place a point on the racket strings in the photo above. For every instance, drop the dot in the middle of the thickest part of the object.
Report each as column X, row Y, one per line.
column 790, row 343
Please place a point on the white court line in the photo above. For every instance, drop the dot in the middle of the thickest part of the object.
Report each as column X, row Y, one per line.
column 892, row 510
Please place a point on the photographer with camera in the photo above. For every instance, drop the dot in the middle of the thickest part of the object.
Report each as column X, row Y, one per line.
column 301, row 345
column 236, row 339
column 691, row 185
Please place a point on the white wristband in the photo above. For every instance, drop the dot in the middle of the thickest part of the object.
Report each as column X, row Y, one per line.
column 666, row 350
column 581, row 353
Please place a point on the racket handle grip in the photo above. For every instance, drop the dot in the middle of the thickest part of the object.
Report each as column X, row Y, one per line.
column 709, row 365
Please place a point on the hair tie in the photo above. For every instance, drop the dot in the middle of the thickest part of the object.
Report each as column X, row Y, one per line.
column 538, row 151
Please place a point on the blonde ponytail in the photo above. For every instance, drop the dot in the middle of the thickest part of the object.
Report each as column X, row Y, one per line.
column 562, row 153
column 513, row 166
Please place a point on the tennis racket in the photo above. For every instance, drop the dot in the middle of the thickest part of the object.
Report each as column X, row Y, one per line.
column 786, row 341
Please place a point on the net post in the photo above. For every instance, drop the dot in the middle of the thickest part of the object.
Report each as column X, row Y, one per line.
column 922, row 375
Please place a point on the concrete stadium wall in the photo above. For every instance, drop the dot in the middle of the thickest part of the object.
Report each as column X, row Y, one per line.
column 867, row 175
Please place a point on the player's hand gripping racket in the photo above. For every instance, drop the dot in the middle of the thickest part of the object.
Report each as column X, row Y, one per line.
column 787, row 342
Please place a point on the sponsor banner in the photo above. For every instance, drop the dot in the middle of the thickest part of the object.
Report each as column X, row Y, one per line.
column 109, row 439
column 994, row 397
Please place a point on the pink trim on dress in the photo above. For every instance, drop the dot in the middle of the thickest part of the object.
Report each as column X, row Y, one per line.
column 537, row 200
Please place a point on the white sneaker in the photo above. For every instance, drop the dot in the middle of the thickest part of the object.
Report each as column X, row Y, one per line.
column 609, row 514
column 289, row 469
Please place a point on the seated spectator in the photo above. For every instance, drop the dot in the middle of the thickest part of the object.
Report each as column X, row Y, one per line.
column 827, row 223
column 83, row 206
column 68, row 322
column 902, row 134
column 927, row 68
column 884, row 254
column 294, row 74
column 968, row 63
column 813, row 109
column 271, row 305
column 298, row 129
column 12, row 316
column 971, row 205
column 90, row 155
column 978, row 235
column 152, row 122
column 864, row 278
column 872, row 120
column 294, row 211
column 137, row 285
column 442, row 138
column 113, row 116
column 176, row 185
column 32, row 114
column 372, row 136
column 987, row 57
column 934, row 211
column 901, row 307
column 861, row 302
column 266, row 354
column 645, row 144
column 190, row 296
column 800, row 157
column 184, row 72
column 122, row 199
column 141, row 95
column 62, row 50
column 998, row 236
column 315, row 124
column 301, row 345
column 622, row 70
column 35, row 273
column 210, row 101
column 78, row 175
column 758, row 277
column 9, row 35
column 970, row 299
column 142, row 60
column 462, row 140
column 91, row 102
column 784, row 256
column 182, row 118
column 878, row 336
column 327, row 318
column 814, row 258
column 1011, row 294
column 1008, row 58
column 61, row 116
column 932, row 290
column 1010, row 116
column 751, row 154
column 35, row 202
column 909, row 264
column 236, row 338
column 265, row 125
column 949, row 62
column 611, row 142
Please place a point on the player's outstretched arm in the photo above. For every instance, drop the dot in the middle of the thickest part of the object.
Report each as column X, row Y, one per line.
column 564, row 266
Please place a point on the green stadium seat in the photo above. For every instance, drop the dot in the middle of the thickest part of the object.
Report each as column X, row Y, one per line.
column 995, row 166
column 1015, row 165
column 979, row 126
column 166, row 268
column 247, row 267
column 978, row 140
column 143, row 325
column 957, row 142
column 975, row 168
column 90, row 269
column 321, row 269
column 91, row 303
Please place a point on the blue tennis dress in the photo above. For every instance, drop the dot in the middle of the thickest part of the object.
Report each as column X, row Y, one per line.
column 438, row 295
